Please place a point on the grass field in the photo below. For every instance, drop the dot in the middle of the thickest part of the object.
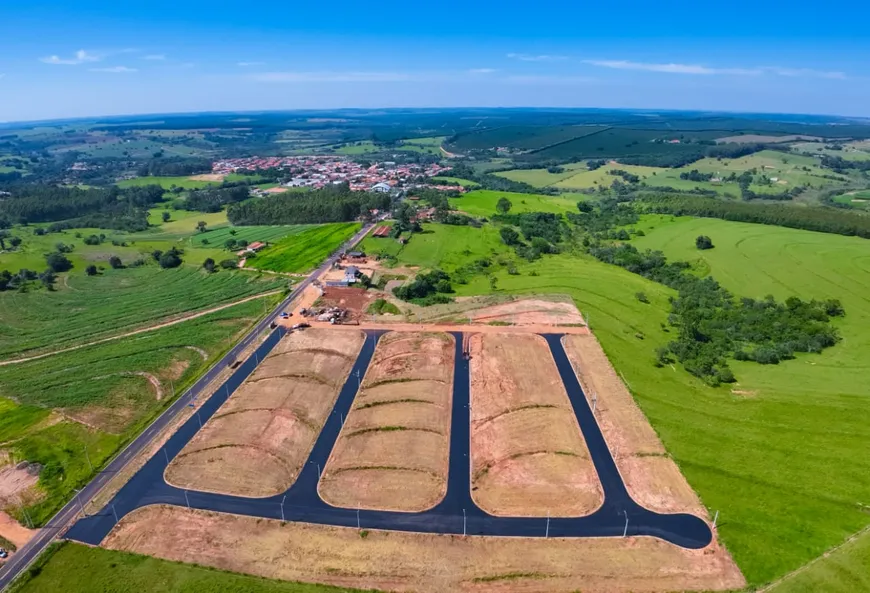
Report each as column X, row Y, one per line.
column 542, row 177
column 482, row 202
column 75, row 568
column 267, row 234
column 97, row 399
column 782, row 458
column 844, row 571
column 440, row 246
column 447, row 180
column 87, row 308
column 301, row 252
column 167, row 182
column 358, row 148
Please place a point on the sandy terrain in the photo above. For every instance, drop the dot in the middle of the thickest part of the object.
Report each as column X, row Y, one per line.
column 651, row 476
column 207, row 177
column 528, row 454
column 258, row 440
column 392, row 453
column 528, row 312
column 14, row 481
column 423, row 563
column 14, row 531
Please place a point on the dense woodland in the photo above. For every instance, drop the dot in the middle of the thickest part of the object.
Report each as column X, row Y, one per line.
column 329, row 204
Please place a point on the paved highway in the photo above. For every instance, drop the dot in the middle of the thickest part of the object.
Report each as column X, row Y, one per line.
column 456, row 514
column 27, row 554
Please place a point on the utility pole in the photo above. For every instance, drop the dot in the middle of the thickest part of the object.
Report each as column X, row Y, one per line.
column 358, row 381
column 187, row 500
column 357, row 516
column 199, row 418
column 594, row 401
column 115, row 513
column 464, row 524
column 165, row 454
column 625, row 531
column 318, row 469
column 79, row 498
column 715, row 519
column 282, row 507
column 547, row 533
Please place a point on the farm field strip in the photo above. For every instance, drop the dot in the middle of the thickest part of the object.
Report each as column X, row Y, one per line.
column 302, row 251
column 257, row 442
column 529, row 457
column 393, row 450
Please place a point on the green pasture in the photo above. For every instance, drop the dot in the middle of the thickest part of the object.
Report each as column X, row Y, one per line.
column 482, row 202
column 302, row 251
column 104, row 403
column 447, row 180
column 74, row 568
column 542, row 177
column 857, row 199
column 844, row 571
column 358, row 148
column 86, row 308
column 184, row 182
column 265, row 234
column 440, row 246
column 852, row 151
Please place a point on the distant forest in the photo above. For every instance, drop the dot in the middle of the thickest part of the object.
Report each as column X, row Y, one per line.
column 330, row 204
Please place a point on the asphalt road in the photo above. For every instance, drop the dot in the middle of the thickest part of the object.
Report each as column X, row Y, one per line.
column 27, row 554
column 456, row 514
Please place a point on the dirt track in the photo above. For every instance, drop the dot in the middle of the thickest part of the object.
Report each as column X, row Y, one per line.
column 528, row 454
column 258, row 440
column 392, row 453
column 395, row 561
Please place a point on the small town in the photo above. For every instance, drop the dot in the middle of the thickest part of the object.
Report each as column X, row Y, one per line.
column 319, row 171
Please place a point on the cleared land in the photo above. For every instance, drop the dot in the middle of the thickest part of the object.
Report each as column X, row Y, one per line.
column 416, row 562
column 393, row 450
column 257, row 442
column 528, row 454
column 482, row 202
column 439, row 245
column 651, row 476
column 168, row 182
column 301, row 252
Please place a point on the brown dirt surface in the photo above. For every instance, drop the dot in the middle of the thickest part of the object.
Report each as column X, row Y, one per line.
column 14, row 531
column 529, row 312
column 529, row 457
column 651, row 476
column 15, row 480
column 424, row 563
column 257, row 441
column 355, row 300
column 392, row 453
column 207, row 177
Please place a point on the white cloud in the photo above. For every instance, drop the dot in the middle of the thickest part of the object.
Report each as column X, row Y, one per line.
column 333, row 77
column 154, row 57
column 249, row 64
column 482, row 71
column 80, row 57
column 697, row 69
column 538, row 58
column 115, row 69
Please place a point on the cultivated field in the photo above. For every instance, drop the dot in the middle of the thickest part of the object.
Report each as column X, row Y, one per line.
column 302, row 251
column 393, row 450
column 168, row 182
column 93, row 399
column 651, row 476
column 439, row 246
column 84, row 308
column 256, row 443
column 396, row 561
column 528, row 454
column 482, row 203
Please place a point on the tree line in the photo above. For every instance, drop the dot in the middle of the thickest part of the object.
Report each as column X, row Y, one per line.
column 329, row 204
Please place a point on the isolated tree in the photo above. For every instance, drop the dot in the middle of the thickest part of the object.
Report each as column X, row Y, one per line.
column 48, row 279
column 233, row 232
column 170, row 259
column 202, row 226
column 58, row 262
column 503, row 205
column 230, row 244
column 509, row 235
column 229, row 264
column 493, row 283
column 166, row 216
column 703, row 242
column 584, row 206
column 208, row 265
column 116, row 262
column 156, row 254
column 91, row 270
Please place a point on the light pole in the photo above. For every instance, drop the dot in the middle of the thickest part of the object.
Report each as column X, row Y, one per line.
column 186, row 500
column 318, row 469
column 282, row 507
column 357, row 517
column 547, row 534
column 88, row 457
column 115, row 513
column 625, row 531
column 81, row 505
column 464, row 524
column 165, row 454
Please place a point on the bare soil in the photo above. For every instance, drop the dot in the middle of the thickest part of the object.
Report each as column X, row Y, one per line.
column 355, row 300
column 14, row 531
column 392, row 453
column 529, row 457
column 529, row 312
column 207, row 177
column 651, row 476
column 15, row 480
column 424, row 563
column 257, row 441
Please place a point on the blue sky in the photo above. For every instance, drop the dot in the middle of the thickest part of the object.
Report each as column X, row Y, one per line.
column 87, row 58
